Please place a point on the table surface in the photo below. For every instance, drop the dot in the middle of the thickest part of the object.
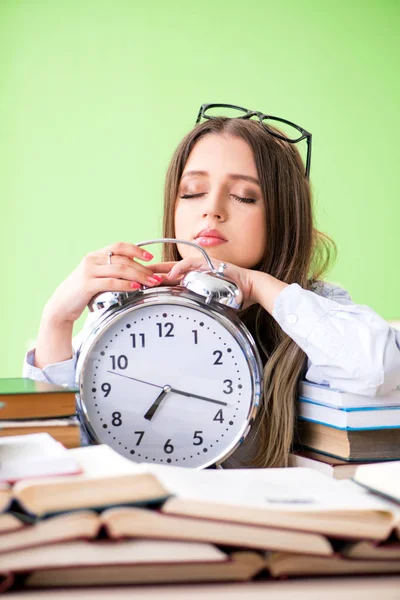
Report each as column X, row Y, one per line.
column 352, row 588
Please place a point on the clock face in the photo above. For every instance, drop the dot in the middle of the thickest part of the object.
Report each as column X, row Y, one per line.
column 168, row 384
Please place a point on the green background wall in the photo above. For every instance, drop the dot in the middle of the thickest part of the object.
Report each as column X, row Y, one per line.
column 95, row 95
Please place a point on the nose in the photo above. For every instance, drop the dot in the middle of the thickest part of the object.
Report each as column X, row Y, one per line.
column 215, row 206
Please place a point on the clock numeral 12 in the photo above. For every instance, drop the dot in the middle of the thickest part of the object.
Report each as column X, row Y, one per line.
column 169, row 326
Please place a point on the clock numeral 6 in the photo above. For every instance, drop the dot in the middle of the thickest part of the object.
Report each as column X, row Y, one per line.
column 116, row 419
column 198, row 438
column 168, row 447
column 119, row 361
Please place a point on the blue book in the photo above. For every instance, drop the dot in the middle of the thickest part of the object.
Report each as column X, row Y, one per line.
column 373, row 417
column 323, row 394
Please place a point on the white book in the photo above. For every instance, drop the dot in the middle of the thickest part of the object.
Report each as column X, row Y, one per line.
column 350, row 418
column 323, row 394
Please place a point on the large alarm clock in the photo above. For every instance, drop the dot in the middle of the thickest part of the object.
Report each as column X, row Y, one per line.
column 170, row 375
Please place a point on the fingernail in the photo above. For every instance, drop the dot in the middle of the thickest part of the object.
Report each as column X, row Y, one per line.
column 135, row 285
column 157, row 278
column 153, row 280
column 147, row 255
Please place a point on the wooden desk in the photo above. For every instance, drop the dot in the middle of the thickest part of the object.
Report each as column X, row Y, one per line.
column 351, row 588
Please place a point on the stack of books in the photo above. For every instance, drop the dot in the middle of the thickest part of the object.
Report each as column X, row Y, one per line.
column 118, row 522
column 339, row 430
column 35, row 407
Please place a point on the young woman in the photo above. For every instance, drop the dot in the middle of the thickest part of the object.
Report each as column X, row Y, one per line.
column 238, row 187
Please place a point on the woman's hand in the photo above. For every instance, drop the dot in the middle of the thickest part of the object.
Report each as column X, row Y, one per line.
column 256, row 286
column 175, row 271
column 95, row 274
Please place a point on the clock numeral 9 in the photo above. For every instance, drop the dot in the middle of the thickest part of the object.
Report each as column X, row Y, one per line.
column 197, row 436
column 116, row 419
column 106, row 388
column 229, row 389
column 119, row 361
column 168, row 326
column 218, row 360
column 168, row 447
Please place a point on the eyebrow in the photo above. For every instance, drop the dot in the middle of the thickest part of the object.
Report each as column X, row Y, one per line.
column 230, row 175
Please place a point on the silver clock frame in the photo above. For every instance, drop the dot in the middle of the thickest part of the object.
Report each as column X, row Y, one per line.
column 176, row 295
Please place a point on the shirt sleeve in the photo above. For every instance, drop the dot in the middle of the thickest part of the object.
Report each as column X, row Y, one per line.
column 349, row 346
column 62, row 373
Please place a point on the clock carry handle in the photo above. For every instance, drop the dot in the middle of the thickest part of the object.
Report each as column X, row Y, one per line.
column 175, row 241
column 212, row 285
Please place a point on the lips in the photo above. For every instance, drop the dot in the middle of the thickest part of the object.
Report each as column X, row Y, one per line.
column 213, row 234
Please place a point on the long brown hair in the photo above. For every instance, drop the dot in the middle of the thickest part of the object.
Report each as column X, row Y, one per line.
column 296, row 253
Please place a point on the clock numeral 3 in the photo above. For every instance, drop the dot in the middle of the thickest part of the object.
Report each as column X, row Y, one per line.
column 116, row 419
column 198, row 438
column 218, row 360
column 166, row 326
column 119, row 361
column 219, row 416
column 229, row 389
column 168, row 447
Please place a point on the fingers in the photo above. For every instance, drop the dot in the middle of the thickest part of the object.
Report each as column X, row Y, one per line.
column 183, row 266
column 163, row 267
column 128, row 250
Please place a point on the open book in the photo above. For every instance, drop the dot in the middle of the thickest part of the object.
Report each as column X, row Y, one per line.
column 121, row 523
column 81, row 563
column 297, row 499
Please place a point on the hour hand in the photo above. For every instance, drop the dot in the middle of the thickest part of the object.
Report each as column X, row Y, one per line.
column 150, row 413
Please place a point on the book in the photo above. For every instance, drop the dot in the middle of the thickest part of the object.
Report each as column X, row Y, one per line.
column 297, row 498
column 27, row 399
column 296, row 565
column 349, row 418
column 66, row 430
column 104, row 478
column 122, row 522
column 351, row 445
column 382, row 478
column 84, row 563
column 323, row 394
column 330, row 466
column 367, row 550
column 34, row 455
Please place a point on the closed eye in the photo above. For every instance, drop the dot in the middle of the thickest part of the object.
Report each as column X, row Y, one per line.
column 245, row 200
column 192, row 195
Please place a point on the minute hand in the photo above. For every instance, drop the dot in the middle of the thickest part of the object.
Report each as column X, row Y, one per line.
column 182, row 393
